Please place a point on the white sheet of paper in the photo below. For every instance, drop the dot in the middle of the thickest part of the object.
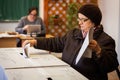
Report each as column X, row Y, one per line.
column 84, row 48
column 10, row 58
column 25, row 51
column 56, row 73
column 13, row 59
column 46, row 60
column 34, row 51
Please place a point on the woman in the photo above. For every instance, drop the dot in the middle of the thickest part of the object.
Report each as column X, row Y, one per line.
column 102, row 45
column 31, row 19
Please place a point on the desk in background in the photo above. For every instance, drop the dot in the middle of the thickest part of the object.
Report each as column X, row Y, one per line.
column 7, row 40
column 10, row 39
column 23, row 37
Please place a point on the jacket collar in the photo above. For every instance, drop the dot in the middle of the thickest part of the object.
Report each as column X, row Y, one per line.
column 77, row 34
column 98, row 31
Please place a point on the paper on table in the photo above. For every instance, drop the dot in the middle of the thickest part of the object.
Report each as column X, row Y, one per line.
column 12, row 59
column 34, row 51
column 55, row 73
column 27, row 51
column 46, row 61
column 6, row 35
column 85, row 51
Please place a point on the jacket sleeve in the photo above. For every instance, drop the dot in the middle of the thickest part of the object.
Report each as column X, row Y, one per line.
column 52, row 44
column 55, row 44
column 108, row 60
column 20, row 26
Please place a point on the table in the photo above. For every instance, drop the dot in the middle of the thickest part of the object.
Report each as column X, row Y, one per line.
column 23, row 37
column 10, row 40
column 10, row 58
column 40, row 66
column 55, row 73
column 7, row 40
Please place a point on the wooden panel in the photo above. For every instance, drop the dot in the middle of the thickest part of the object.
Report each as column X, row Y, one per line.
column 46, row 14
column 8, row 42
column 58, row 8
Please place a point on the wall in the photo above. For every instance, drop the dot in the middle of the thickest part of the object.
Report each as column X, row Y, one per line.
column 118, row 49
column 8, row 26
column 41, row 7
column 111, row 20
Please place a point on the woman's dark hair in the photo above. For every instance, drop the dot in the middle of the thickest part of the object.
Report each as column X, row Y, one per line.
column 31, row 9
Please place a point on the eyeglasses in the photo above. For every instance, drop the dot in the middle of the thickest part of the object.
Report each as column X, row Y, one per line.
column 33, row 14
column 82, row 19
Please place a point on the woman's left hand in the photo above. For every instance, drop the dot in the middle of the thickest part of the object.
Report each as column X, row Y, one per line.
column 95, row 46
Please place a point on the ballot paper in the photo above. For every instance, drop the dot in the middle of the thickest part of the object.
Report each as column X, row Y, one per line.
column 85, row 50
column 28, row 51
column 25, row 51
column 2, row 35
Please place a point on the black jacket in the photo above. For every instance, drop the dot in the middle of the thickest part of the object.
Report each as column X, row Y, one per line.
column 93, row 68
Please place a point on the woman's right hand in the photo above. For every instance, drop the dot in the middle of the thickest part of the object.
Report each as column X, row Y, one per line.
column 25, row 27
column 32, row 42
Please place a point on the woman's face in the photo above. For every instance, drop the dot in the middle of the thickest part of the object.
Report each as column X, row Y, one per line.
column 84, row 23
column 32, row 16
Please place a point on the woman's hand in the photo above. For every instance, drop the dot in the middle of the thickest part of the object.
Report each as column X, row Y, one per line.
column 95, row 47
column 25, row 27
column 32, row 42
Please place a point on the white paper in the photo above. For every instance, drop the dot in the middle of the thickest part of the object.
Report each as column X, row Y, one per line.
column 10, row 58
column 46, row 60
column 34, row 51
column 13, row 59
column 84, row 48
column 25, row 51
column 24, row 74
column 55, row 73
column 6, row 35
